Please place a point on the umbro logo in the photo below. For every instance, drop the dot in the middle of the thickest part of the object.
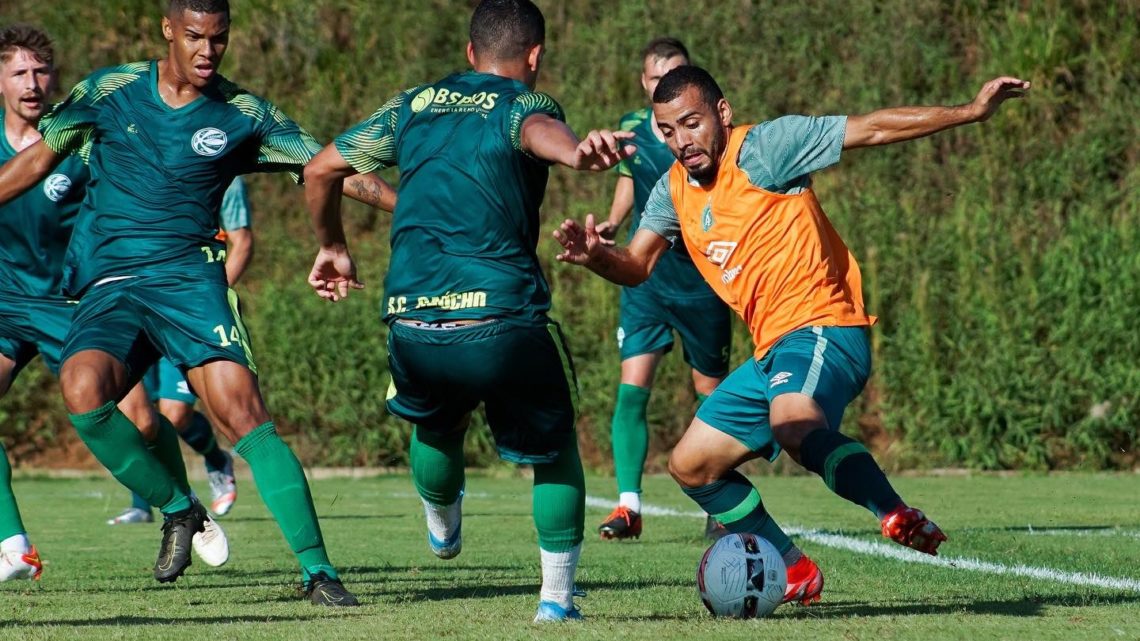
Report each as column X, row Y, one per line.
column 779, row 379
column 209, row 141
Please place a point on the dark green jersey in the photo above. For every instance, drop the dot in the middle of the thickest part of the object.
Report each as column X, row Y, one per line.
column 36, row 227
column 674, row 275
column 465, row 229
column 158, row 174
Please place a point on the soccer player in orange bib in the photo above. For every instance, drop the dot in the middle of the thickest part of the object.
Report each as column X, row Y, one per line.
column 741, row 199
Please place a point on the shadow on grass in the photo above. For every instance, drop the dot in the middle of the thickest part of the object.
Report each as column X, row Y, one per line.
column 1021, row 607
column 122, row 621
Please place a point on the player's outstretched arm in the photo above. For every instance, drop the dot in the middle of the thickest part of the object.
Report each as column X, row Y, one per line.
column 25, row 169
column 619, row 209
column 334, row 272
column 899, row 124
column 629, row 266
column 552, row 140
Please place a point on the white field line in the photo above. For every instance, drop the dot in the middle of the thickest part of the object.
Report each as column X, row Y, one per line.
column 883, row 550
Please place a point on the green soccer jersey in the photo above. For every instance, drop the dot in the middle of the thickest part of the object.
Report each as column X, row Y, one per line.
column 465, row 229
column 674, row 276
column 36, row 227
column 158, row 174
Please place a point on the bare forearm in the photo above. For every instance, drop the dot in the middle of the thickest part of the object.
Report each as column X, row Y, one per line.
column 900, row 124
column 370, row 189
column 618, row 265
column 26, row 169
column 623, row 201
column 239, row 255
column 550, row 140
column 322, row 196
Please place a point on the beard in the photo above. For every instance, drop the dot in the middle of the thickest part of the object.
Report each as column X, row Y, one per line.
column 707, row 173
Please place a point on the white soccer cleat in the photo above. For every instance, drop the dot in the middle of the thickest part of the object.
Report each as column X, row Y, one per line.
column 211, row 544
column 223, row 488
column 21, row 565
column 132, row 515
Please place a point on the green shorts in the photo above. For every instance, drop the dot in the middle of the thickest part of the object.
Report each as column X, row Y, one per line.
column 522, row 374
column 829, row 364
column 30, row 326
column 165, row 381
column 187, row 319
column 704, row 323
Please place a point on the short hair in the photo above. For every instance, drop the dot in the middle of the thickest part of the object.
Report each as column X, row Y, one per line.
column 506, row 29
column 176, row 7
column 675, row 83
column 24, row 36
column 665, row 48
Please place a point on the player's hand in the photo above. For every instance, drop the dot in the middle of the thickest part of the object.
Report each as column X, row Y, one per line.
column 995, row 92
column 603, row 149
column 579, row 243
column 608, row 232
column 334, row 274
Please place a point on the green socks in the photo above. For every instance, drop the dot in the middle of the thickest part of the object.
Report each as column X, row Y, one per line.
column 849, row 470
column 438, row 465
column 166, row 449
column 734, row 502
column 281, row 482
column 10, row 522
column 113, row 439
column 199, row 435
column 630, row 436
column 560, row 500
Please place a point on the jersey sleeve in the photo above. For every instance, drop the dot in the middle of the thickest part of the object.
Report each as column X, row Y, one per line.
column 627, row 123
column 284, row 145
column 371, row 144
column 69, row 127
column 780, row 154
column 526, row 105
column 660, row 216
column 235, row 206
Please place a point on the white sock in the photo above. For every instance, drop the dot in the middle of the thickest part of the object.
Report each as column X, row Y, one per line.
column 558, row 570
column 443, row 520
column 631, row 500
column 17, row 543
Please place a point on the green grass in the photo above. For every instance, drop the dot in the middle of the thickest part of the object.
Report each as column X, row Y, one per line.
column 97, row 583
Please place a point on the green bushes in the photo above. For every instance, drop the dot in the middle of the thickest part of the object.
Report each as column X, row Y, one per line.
column 1000, row 258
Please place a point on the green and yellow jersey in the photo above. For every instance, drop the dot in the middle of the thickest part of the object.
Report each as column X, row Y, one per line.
column 466, row 228
column 36, row 227
column 158, row 174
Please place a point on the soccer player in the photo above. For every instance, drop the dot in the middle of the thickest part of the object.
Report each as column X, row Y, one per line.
column 166, row 384
column 741, row 198
column 675, row 297
column 466, row 302
column 34, row 314
column 167, row 137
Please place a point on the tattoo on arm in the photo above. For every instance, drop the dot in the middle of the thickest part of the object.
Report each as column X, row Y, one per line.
column 370, row 193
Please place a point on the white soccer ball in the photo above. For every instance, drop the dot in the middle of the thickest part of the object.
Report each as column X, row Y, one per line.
column 742, row 576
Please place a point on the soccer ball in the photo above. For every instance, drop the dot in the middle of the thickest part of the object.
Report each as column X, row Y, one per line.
column 742, row 576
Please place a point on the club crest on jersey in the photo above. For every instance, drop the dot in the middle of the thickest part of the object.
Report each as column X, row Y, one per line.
column 209, row 141
column 707, row 220
column 56, row 187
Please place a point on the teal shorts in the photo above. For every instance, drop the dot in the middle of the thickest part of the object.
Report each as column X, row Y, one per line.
column 165, row 381
column 189, row 320
column 522, row 374
column 30, row 326
column 829, row 364
column 648, row 320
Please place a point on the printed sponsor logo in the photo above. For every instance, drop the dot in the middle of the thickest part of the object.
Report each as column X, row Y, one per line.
column 719, row 251
column 56, row 187
column 441, row 100
column 779, row 379
column 209, row 141
column 730, row 275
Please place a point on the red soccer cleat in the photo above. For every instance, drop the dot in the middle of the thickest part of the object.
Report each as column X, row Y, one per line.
column 910, row 527
column 805, row 582
column 622, row 523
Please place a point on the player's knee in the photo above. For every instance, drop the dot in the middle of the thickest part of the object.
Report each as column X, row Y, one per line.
column 690, row 469
column 178, row 413
column 84, row 387
column 235, row 422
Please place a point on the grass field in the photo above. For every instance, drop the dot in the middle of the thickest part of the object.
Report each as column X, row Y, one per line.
column 97, row 582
